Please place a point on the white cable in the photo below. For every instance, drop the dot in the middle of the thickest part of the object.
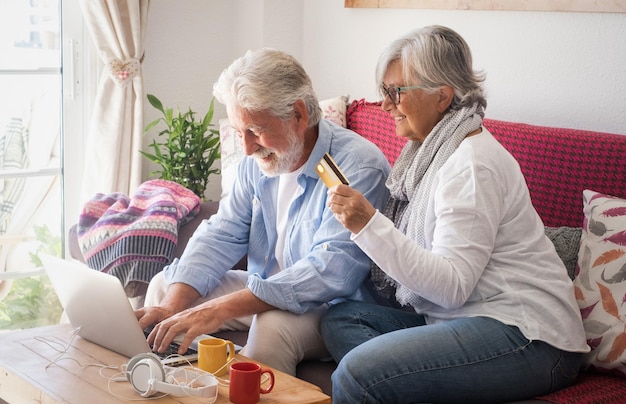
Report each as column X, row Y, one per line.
column 62, row 348
column 187, row 383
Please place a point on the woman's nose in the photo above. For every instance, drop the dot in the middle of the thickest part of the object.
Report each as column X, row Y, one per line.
column 387, row 105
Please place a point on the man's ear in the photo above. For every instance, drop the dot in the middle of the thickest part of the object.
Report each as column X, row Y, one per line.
column 446, row 95
column 301, row 114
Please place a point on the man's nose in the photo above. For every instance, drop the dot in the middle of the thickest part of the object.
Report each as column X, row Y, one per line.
column 248, row 141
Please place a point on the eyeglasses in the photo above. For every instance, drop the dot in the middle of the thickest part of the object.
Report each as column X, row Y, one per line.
column 394, row 92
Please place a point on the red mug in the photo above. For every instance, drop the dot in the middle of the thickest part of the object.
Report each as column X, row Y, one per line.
column 245, row 382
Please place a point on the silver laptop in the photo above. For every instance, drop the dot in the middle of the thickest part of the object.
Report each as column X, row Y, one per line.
column 96, row 304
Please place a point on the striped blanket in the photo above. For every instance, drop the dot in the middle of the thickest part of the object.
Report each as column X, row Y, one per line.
column 133, row 238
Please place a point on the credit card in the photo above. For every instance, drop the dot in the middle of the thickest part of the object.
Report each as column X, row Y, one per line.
column 330, row 173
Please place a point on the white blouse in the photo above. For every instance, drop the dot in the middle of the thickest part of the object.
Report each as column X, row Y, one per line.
column 486, row 252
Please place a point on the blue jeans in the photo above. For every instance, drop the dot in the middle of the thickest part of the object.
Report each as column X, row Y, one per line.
column 387, row 355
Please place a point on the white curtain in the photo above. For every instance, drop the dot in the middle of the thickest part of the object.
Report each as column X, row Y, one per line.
column 112, row 160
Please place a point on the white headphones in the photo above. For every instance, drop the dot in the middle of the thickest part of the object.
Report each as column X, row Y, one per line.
column 148, row 376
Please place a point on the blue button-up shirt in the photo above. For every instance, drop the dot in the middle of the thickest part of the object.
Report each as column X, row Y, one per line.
column 322, row 264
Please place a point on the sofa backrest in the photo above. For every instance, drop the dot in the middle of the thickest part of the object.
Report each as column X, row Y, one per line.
column 558, row 163
column 370, row 121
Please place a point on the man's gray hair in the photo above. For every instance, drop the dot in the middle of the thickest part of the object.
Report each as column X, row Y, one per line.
column 434, row 56
column 267, row 80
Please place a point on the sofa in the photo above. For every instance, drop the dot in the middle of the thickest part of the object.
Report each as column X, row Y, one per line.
column 558, row 164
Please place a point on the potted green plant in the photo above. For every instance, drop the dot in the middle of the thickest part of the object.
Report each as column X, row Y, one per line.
column 188, row 150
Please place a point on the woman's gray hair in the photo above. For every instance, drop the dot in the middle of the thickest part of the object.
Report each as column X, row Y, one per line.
column 434, row 56
column 267, row 80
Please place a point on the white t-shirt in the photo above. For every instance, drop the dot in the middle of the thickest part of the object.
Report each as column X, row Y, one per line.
column 486, row 252
column 288, row 189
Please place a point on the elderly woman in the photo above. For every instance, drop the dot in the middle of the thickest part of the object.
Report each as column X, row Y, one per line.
column 482, row 309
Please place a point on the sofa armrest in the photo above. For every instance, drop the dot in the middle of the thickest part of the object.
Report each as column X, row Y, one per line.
column 72, row 244
column 207, row 209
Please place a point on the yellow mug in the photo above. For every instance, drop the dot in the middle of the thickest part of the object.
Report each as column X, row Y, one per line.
column 214, row 354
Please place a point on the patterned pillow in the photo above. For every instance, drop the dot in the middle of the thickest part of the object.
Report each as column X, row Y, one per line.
column 600, row 286
column 231, row 151
column 334, row 109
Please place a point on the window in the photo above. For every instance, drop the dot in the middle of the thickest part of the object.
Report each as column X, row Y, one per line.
column 38, row 76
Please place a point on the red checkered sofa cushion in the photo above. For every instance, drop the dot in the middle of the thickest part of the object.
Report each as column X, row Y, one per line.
column 370, row 121
column 558, row 163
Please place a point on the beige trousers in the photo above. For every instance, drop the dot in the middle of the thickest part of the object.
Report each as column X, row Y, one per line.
column 277, row 338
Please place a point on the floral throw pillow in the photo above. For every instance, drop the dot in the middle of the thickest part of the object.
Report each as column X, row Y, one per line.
column 334, row 109
column 231, row 151
column 600, row 285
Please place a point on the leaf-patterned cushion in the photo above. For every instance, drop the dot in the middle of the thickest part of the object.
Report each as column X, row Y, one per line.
column 600, row 285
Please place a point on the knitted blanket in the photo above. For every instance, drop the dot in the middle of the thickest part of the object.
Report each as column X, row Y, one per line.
column 134, row 238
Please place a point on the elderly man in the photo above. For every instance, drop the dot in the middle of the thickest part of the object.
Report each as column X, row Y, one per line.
column 300, row 258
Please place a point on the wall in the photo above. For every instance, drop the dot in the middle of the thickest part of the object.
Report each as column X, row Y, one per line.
column 545, row 68
column 189, row 43
column 559, row 69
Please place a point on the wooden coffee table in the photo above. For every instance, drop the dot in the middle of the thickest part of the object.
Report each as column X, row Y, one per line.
column 28, row 374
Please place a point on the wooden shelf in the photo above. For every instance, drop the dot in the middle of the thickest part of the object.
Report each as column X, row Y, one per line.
column 615, row 6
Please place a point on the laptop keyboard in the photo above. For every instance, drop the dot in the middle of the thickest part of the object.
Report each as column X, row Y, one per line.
column 172, row 349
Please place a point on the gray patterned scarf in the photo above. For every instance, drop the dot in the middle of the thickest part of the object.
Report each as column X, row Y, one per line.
column 410, row 184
